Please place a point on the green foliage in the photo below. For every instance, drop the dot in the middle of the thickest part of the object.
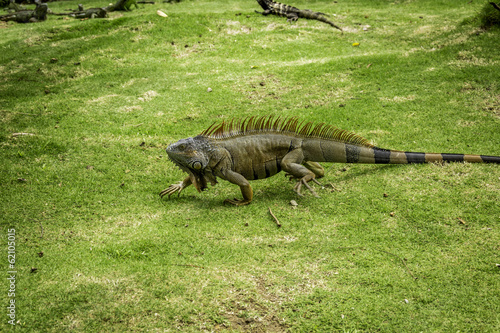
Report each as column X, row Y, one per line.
column 489, row 16
column 384, row 248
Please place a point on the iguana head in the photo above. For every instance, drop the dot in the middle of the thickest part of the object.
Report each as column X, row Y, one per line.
column 189, row 155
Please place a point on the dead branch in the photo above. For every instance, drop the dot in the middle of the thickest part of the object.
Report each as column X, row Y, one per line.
column 275, row 218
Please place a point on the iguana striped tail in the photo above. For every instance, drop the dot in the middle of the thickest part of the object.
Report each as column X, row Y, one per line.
column 375, row 155
column 309, row 14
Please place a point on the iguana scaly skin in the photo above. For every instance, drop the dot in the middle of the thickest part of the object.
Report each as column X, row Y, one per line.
column 292, row 13
column 260, row 147
column 28, row 16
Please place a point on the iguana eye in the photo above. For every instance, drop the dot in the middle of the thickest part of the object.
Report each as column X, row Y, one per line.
column 196, row 165
column 181, row 146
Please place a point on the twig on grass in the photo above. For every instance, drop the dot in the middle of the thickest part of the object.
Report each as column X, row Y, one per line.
column 402, row 260
column 275, row 218
column 41, row 229
column 332, row 186
column 392, row 254
column 21, row 134
column 24, row 113
column 187, row 265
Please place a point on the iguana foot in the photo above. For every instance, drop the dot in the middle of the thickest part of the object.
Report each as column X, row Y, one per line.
column 303, row 181
column 172, row 189
column 237, row 202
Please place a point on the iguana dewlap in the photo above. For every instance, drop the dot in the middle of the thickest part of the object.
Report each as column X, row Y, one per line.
column 260, row 147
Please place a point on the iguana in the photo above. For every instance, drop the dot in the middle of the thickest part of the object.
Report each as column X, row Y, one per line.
column 260, row 147
column 14, row 7
column 28, row 16
column 292, row 13
column 122, row 5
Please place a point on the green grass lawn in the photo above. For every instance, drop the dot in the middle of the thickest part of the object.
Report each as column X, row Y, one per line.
column 384, row 248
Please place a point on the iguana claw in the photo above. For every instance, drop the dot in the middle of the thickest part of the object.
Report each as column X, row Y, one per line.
column 237, row 202
column 303, row 181
column 172, row 189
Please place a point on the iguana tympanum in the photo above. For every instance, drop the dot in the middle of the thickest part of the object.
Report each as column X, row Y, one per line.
column 292, row 13
column 260, row 147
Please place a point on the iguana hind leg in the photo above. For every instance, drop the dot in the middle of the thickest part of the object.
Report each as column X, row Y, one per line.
column 315, row 167
column 304, row 181
column 303, row 172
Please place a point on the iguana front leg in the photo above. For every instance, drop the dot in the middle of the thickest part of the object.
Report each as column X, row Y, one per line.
column 246, row 189
column 303, row 172
column 176, row 188
column 265, row 13
column 292, row 17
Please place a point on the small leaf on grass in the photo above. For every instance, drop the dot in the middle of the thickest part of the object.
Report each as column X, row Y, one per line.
column 21, row 134
column 160, row 13
column 355, row 44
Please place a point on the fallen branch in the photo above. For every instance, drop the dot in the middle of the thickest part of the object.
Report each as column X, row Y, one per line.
column 275, row 218
column 495, row 5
